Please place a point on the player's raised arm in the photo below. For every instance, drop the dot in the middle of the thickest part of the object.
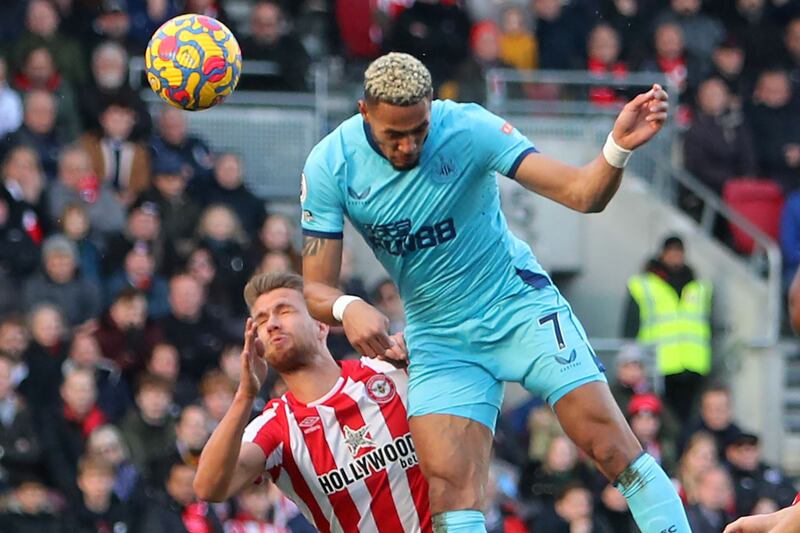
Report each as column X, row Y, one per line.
column 227, row 464
column 589, row 188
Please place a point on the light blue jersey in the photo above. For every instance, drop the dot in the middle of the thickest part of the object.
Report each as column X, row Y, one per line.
column 437, row 228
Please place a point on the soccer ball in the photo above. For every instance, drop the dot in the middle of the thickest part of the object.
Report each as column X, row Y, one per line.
column 193, row 62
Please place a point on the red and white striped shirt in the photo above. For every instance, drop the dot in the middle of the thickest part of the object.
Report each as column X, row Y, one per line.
column 347, row 459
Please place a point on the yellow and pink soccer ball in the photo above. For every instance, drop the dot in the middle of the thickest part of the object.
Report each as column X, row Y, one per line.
column 193, row 62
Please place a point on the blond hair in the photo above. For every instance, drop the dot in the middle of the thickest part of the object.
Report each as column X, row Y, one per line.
column 397, row 79
column 269, row 281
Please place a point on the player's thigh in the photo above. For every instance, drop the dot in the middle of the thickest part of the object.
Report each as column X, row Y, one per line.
column 545, row 348
column 445, row 380
column 591, row 418
column 454, row 454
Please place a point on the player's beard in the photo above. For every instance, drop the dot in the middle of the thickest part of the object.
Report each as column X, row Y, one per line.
column 406, row 166
column 291, row 357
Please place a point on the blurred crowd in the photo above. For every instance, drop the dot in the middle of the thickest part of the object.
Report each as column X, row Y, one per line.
column 125, row 243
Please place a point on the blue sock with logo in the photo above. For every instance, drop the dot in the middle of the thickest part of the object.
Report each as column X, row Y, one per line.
column 465, row 521
column 651, row 497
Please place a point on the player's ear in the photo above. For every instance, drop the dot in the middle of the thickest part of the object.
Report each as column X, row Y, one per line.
column 362, row 108
column 322, row 331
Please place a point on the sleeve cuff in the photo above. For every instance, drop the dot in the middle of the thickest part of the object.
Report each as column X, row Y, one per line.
column 323, row 234
column 512, row 172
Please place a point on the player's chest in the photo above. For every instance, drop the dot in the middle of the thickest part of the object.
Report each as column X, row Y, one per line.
column 342, row 447
column 376, row 193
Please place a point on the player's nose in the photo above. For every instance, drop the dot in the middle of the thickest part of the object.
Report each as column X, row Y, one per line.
column 407, row 145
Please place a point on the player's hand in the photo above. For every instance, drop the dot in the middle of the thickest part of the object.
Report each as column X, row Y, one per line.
column 367, row 329
column 254, row 363
column 397, row 355
column 753, row 524
column 641, row 118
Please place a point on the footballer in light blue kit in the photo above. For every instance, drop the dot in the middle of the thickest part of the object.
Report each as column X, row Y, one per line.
column 418, row 179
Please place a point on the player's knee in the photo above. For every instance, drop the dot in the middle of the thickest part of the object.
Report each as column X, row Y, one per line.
column 445, row 496
column 611, row 453
column 453, row 487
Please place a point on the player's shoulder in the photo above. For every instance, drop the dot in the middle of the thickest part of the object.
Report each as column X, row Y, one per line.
column 274, row 411
column 452, row 118
column 451, row 111
column 270, row 424
column 338, row 146
column 365, row 368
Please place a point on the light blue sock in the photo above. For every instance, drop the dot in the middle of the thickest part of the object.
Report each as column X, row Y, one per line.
column 651, row 497
column 466, row 521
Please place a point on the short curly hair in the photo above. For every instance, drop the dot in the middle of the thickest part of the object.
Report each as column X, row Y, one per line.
column 397, row 79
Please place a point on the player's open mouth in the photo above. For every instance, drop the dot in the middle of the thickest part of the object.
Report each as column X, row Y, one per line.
column 277, row 339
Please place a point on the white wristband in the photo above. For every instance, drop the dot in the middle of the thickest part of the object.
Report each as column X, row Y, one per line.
column 616, row 155
column 341, row 304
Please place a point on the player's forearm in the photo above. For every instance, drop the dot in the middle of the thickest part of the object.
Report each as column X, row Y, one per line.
column 598, row 184
column 320, row 298
column 220, row 455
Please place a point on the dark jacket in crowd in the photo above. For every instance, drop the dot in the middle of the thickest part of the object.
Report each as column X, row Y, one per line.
column 199, row 343
column 79, row 300
column 763, row 482
column 289, row 58
column 248, row 207
column 118, row 517
column 717, row 149
column 22, row 450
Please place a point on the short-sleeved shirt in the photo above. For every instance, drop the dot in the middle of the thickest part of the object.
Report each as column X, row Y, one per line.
column 347, row 460
column 437, row 228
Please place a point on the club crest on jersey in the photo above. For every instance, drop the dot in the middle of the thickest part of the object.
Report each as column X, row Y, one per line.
column 381, row 389
column 445, row 169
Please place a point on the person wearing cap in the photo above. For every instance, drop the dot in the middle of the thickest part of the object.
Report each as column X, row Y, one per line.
column 669, row 309
column 179, row 212
column 645, row 413
column 107, row 20
column 728, row 61
column 752, row 478
column 142, row 226
column 631, row 375
column 60, row 283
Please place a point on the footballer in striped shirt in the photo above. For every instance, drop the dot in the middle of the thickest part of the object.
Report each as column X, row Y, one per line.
column 337, row 443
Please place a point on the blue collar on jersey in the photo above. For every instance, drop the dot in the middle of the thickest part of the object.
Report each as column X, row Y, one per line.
column 371, row 140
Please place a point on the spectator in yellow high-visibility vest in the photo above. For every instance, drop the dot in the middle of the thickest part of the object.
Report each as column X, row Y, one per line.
column 669, row 309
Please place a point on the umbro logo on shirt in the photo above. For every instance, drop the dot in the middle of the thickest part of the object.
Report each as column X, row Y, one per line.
column 309, row 424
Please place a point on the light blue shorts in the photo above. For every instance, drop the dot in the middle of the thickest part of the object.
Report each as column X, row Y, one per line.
column 532, row 338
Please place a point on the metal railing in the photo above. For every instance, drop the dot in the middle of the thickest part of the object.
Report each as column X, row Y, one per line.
column 765, row 249
column 570, row 97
